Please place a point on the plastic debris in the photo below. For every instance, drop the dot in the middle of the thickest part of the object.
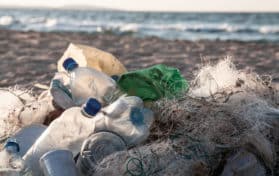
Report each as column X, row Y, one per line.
column 66, row 132
column 11, row 161
column 227, row 115
column 95, row 148
column 61, row 95
column 123, row 117
column 128, row 118
column 58, row 163
column 87, row 82
column 27, row 136
column 87, row 56
column 243, row 163
column 153, row 83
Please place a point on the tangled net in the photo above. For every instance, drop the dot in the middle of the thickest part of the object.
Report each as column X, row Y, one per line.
column 224, row 110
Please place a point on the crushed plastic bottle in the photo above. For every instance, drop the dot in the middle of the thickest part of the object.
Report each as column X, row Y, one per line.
column 14, row 162
column 125, row 117
column 153, row 83
column 66, row 132
column 88, row 82
column 95, row 148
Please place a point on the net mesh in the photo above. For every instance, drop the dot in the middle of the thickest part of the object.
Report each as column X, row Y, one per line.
column 225, row 109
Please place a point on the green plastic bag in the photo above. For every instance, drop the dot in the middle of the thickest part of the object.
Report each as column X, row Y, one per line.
column 153, row 83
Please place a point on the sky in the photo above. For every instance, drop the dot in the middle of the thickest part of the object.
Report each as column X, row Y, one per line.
column 156, row 5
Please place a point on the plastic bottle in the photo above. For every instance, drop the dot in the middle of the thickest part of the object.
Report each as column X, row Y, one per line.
column 66, row 132
column 12, row 158
column 95, row 148
column 27, row 136
column 127, row 118
column 61, row 95
column 88, row 82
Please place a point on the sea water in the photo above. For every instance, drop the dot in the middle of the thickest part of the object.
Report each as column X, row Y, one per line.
column 190, row 26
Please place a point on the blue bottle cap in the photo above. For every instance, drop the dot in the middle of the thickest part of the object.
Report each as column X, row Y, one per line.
column 69, row 64
column 92, row 106
column 11, row 145
column 115, row 77
column 136, row 116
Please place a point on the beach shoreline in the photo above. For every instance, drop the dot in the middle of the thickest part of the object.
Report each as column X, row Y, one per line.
column 30, row 57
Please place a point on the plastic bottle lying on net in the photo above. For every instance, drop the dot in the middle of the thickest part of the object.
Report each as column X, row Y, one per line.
column 87, row 82
column 66, row 132
column 127, row 118
column 123, row 117
column 95, row 148
column 11, row 162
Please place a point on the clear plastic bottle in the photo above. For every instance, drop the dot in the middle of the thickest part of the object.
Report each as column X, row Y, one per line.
column 95, row 148
column 13, row 159
column 127, row 118
column 88, row 82
column 66, row 132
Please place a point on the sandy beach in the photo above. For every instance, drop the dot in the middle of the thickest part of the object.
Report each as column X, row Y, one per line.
column 28, row 58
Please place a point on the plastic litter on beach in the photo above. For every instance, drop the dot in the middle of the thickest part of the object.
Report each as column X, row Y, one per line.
column 87, row 56
column 88, row 82
column 153, row 83
column 97, row 118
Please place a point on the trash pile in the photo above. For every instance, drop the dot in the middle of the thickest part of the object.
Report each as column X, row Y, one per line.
column 97, row 118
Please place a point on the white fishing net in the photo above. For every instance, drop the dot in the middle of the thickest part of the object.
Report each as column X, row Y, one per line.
column 225, row 109
column 11, row 102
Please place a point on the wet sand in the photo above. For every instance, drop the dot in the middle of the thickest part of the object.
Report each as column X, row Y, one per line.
column 28, row 58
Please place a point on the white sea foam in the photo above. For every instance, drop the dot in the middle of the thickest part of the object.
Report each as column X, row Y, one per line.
column 269, row 29
column 129, row 27
column 6, row 20
column 50, row 22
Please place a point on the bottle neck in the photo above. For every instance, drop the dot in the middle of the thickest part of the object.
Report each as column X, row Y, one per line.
column 84, row 113
column 71, row 70
column 113, row 95
column 11, row 151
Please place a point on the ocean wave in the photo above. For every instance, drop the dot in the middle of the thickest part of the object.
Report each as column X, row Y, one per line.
column 269, row 29
column 199, row 28
column 180, row 26
column 130, row 27
column 56, row 24
column 6, row 20
column 50, row 22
